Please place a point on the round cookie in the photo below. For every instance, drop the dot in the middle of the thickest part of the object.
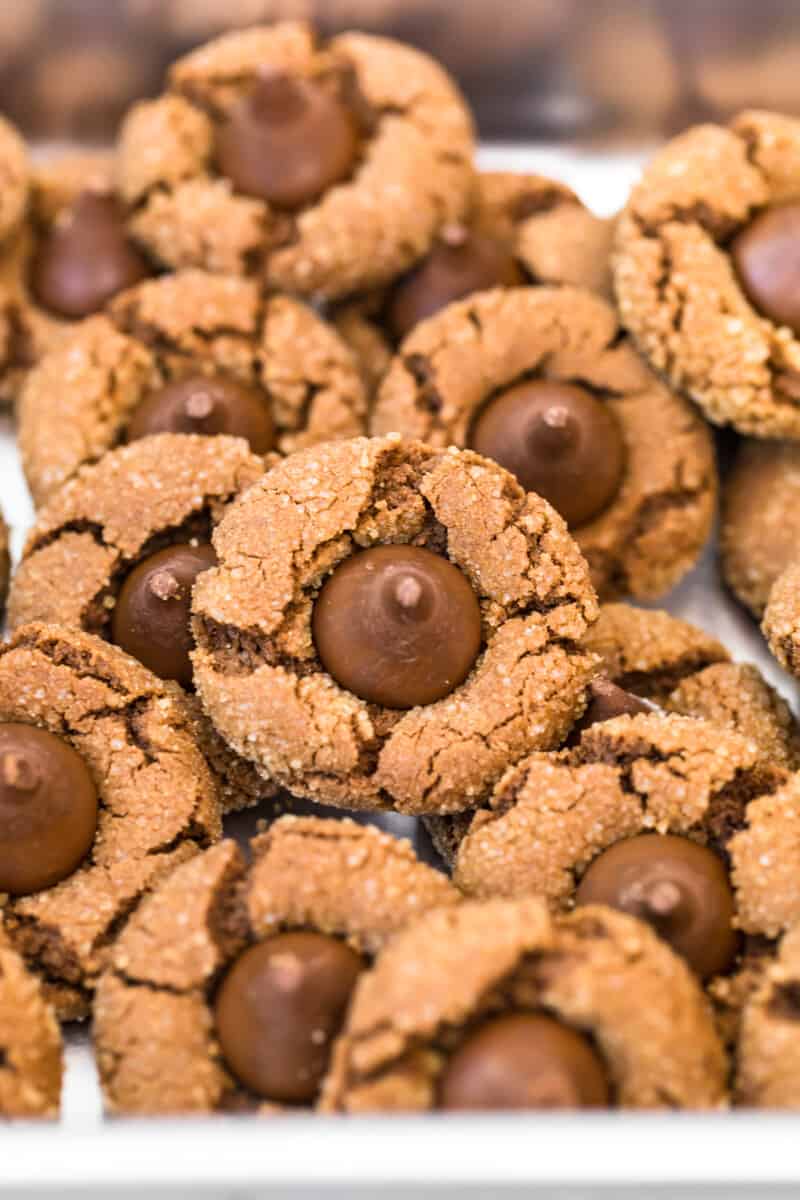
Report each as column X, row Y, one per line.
column 760, row 527
column 279, row 376
column 104, row 525
column 15, row 175
column 257, row 666
column 597, row 973
column 156, row 801
column 768, row 1050
column 781, row 624
column 547, row 355
column 221, row 175
column 31, row 1051
column 704, row 255
column 160, row 1026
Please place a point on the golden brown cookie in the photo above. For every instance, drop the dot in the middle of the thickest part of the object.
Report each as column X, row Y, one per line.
column 781, row 624
column 157, row 801
column 768, row 1052
column 110, row 519
column 157, row 1046
column 760, row 528
column 693, row 275
column 14, row 179
column 102, row 385
column 652, row 519
column 392, row 144
column 31, row 1053
column 5, row 565
column 600, row 974
column 522, row 601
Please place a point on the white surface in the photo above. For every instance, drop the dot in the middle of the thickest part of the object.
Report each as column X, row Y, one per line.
column 222, row 1156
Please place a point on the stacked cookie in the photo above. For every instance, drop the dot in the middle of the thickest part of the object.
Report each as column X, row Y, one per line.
column 345, row 455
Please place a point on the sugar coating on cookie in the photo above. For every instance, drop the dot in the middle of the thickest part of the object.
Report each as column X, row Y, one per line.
column 30, row 1042
column 684, row 285
column 83, row 398
column 436, row 980
column 158, row 803
column 410, row 170
column 760, row 528
column 455, row 367
column 154, row 1018
column 768, row 1049
column 257, row 668
column 781, row 623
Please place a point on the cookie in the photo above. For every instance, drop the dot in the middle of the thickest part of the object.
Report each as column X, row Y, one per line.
column 115, row 553
column 519, row 229
column 324, row 166
column 768, row 1052
column 31, row 1053
column 390, row 625
column 684, row 670
column 299, row 924
column 781, row 624
column 15, row 176
column 188, row 353
column 5, row 565
column 703, row 269
column 543, row 380
column 760, row 528
column 128, row 796
column 441, row 1019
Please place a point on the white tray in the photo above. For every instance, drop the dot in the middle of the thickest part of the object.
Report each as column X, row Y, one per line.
column 572, row 1157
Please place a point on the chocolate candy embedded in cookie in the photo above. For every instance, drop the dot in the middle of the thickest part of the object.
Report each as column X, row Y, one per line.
column 462, row 261
column 206, row 404
column 48, row 809
column 287, row 141
column 524, row 1060
column 607, row 701
column 767, row 258
column 559, row 440
column 151, row 616
column 86, row 259
column 678, row 887
column 279, row 1009
column 398, row 626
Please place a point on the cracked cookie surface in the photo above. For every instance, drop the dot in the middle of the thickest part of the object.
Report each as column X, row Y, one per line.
column 678, row 290
column 654, row 528
column 413, row 168
column 768, row 1050
column 79, row 400
column 31, row 1052
column 257, row 669
column 603, row 974
column 156, row 1045
column 158, row 804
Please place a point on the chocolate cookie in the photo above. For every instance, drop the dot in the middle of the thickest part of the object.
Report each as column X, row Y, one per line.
column 326, row 167
column 188, row 353
column 227, row 988
column 31, row 1054
column 760, row 529
column 541, row 380
column 122, row 796
column 704, row 270
column 501, row 1005
column 768, row 1052
column 390, row 625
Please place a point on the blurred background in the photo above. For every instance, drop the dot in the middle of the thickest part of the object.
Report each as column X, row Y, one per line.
column 594, row 71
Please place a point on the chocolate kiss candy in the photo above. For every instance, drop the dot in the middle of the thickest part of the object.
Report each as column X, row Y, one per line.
column 397, row 626
column 678, row 887
column 766, row 255
column 461, row 262
column 206, row 404
column 287, row 141
column 151, row 618
column 48, row 809
column 524, row 1060
column 559, row 441
column 85, row 259
column 607, row 701
column 278, row 1010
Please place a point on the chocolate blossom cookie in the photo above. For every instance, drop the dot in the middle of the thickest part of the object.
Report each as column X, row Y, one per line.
column 116, row 552
column 706, row 254
column 31, row 1052
column 227, row 988
column 768, row 1051
column 500, row 1005
column 543, row 381
column 325, row 166
column 188, row 353
column 390, row 625
column 116, row 794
